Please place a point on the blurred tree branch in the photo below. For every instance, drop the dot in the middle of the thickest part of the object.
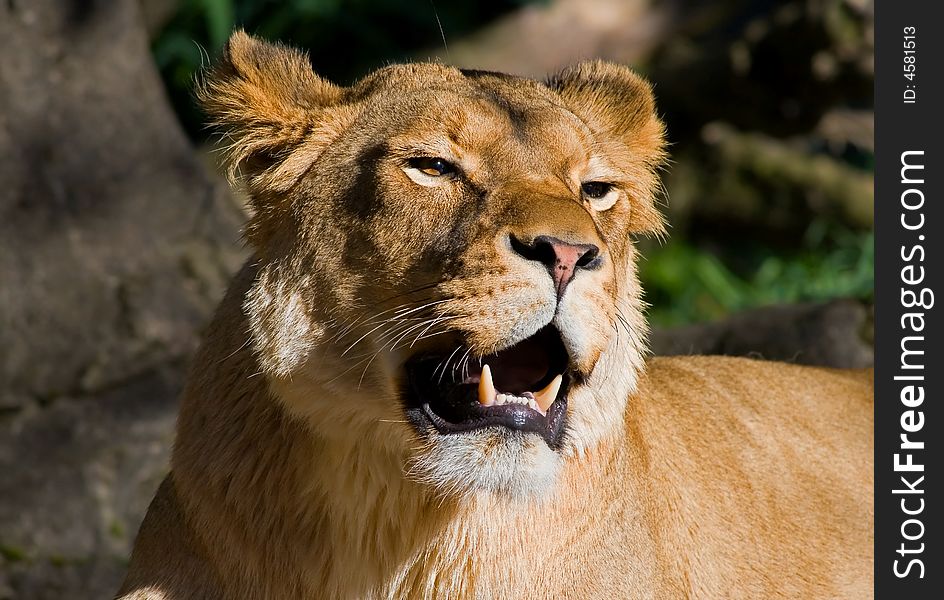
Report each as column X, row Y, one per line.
column 540, row 39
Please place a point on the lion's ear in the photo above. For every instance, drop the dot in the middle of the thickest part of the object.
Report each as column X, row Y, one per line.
column 274, row 113
column 617, row 104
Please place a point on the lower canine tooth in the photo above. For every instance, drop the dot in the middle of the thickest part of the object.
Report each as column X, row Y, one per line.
column 546, row 397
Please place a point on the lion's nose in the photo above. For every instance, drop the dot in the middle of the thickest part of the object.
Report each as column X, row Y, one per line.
column 561, row 258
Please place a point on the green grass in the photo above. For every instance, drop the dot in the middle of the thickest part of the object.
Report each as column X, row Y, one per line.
column 686, row 284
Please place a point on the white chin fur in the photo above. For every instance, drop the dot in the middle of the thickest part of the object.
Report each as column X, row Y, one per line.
column 494, row 460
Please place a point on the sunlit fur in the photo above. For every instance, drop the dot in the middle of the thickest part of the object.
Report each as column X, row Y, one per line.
column 295, row 473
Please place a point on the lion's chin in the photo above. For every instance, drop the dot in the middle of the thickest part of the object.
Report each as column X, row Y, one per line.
column 494, row 460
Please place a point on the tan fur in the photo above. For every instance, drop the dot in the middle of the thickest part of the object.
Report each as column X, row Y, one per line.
column 294, row 472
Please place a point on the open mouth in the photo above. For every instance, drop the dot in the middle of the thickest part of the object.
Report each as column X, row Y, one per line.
column 522, row 388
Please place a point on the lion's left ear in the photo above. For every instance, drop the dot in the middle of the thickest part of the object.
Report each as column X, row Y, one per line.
column 617, row 105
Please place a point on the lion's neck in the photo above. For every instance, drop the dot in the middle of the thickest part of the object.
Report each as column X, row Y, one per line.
column 391, row 538
column 341, row 521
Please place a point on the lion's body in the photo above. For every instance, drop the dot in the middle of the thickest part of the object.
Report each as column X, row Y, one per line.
column 732, row 478
column 295, row 478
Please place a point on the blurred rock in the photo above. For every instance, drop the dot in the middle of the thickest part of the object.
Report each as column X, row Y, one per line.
column 78, row 476
column 832, row 334
column 114, row 240
column 115, row 245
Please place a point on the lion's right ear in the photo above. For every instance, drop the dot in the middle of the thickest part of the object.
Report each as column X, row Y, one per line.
column 274, row 113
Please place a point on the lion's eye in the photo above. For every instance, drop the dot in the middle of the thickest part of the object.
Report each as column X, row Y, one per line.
column 432, row 166
column 594, row 190
column 599, row 194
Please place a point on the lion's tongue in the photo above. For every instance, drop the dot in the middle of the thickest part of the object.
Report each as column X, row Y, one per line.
column 489, row 395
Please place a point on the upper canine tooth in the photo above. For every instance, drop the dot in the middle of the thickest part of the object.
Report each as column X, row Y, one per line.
column 546, row 397
column 486, row 387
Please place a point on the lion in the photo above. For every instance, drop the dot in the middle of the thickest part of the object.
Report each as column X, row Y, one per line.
column 431, row 379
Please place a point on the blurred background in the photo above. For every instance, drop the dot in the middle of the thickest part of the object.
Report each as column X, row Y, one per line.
column 118, row 235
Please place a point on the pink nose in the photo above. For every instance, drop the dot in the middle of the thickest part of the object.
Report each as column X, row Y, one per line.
column 561, row 258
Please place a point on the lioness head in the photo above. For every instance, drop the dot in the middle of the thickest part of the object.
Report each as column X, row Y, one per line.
column 445, row 264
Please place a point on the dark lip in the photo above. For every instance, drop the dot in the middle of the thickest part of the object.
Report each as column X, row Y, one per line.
column 511, row 416
column 452, row 407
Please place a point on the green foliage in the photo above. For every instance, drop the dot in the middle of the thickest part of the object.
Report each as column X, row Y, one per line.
column 685, row 283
